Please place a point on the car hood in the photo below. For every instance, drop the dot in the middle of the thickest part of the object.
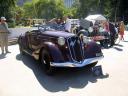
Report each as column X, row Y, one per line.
column 58, row 33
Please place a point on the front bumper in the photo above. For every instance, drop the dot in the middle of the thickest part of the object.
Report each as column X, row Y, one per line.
column 77, row 64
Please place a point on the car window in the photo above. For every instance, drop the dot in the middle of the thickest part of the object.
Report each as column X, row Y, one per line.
column 45, row 28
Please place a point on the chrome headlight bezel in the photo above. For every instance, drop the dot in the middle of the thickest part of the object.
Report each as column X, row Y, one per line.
column 86, row 39
column 90, row 29
column 61, row 41
column 101, row 29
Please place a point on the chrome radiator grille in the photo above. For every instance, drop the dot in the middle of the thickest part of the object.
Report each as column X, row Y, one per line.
column 75, row 48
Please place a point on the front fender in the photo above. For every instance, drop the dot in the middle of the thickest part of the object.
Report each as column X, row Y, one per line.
column 92, row 49
column 54, row 51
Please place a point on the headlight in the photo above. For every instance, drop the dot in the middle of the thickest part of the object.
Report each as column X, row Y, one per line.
column 101, row 29
column 61, row 41
column 86, row 39
column 90, row 29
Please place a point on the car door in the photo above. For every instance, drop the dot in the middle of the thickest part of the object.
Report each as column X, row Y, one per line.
column 34, row 40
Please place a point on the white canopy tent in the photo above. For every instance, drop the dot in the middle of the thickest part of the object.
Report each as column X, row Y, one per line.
column 96, row 17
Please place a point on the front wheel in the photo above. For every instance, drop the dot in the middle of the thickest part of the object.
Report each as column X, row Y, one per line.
column 45, row 62
column 106, row 43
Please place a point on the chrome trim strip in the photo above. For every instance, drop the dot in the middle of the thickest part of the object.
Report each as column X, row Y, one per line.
column 34, row 54
column 27, row 52
column 76, row 64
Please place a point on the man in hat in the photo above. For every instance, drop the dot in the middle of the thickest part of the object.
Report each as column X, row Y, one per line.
column 4, row 35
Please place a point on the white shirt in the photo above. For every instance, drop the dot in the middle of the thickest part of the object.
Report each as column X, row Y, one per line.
column 68, row 25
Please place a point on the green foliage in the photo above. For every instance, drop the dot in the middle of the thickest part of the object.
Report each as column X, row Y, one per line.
column 18, row 14
column 44, row 9
column 29, row 10
column 5, row 7
column 11, row 24
column 88, row 7
column 112, row 9
column 49, row 8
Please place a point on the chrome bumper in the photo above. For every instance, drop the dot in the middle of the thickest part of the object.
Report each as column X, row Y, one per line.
column 76, row 64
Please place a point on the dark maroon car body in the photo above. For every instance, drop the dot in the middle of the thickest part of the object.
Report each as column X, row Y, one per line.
column 44, row 46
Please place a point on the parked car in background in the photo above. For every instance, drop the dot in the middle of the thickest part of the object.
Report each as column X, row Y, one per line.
column 96, row 32
column 59, row 48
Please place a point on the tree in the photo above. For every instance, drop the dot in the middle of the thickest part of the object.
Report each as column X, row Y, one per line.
column 74, row 9
column 50, row 8
column 44, row 9
column 116, row 10
column 29, row 10
column 88, row 7
column 6, row 6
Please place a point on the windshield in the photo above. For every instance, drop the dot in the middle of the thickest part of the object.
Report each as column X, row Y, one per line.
column 50, row 27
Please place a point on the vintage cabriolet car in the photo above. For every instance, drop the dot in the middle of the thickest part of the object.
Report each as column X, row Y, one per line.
column 59, row 48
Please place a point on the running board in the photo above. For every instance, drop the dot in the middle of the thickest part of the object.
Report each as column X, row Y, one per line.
column 34, row 54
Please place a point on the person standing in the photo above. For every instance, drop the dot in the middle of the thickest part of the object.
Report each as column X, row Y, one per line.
column 105, row 25
column 106, row 33
column 68, row 24
column 121, row 30
column 4, row 35
column 112, row 34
